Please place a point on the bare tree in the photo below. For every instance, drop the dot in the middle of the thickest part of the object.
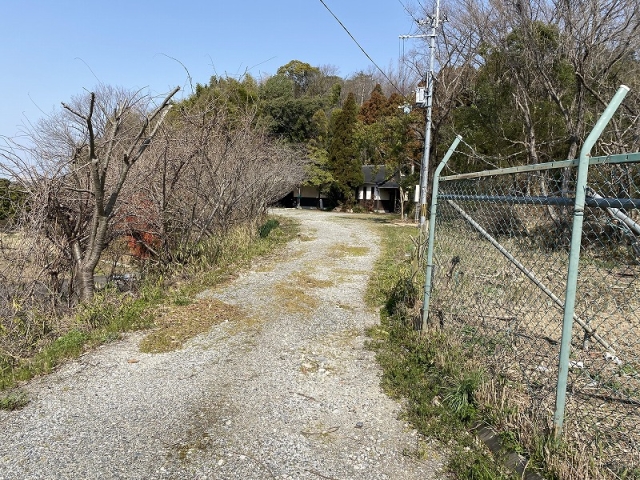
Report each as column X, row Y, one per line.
column 210, row 170
column 76, row 166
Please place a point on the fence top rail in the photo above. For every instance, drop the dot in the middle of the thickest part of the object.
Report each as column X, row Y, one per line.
column 608, row 159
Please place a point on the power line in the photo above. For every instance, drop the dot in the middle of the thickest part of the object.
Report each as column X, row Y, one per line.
column 408, row 12
column 360, row 47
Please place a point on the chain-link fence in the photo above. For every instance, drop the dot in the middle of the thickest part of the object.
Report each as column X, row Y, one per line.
column 500, row 262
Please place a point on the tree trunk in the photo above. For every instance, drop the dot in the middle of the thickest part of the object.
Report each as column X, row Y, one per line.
column 86, row 283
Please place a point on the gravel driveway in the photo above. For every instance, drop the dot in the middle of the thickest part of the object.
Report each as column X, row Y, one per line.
column 288, row 393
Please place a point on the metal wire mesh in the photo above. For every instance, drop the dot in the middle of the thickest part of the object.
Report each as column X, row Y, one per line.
column 499, row 279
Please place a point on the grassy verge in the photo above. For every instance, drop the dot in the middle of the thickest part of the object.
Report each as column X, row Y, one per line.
column 111, row 313
column 432, row 373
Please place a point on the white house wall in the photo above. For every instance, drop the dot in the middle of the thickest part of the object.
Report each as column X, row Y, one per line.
column 371, row 193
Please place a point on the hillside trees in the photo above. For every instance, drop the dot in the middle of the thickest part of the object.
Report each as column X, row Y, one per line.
column 361, row 84
column 303, row 76
column 385, row 135
column 302, row 105
column 543, row 68
column 290, row 99
column 235, row 94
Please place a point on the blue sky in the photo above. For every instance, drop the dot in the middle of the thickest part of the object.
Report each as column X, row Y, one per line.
column 53, row 49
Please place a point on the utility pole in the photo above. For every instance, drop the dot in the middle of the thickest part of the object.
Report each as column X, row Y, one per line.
column 434, row 22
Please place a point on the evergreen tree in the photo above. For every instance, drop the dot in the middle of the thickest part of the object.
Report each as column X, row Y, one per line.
column 302, row 74
column 318, row 174
column 12, row 199
column 374, row 108
column 344, row 162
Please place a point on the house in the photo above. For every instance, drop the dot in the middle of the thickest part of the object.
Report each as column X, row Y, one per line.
column 379, row 192
column 304, row 197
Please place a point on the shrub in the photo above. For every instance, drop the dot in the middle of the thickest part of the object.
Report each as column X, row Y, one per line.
column 265, row 229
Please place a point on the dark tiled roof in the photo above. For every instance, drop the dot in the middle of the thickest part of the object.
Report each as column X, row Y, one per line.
column 377, row 175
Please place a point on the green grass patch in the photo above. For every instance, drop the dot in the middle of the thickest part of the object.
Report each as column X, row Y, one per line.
column 101, row 321
column 13, row 400
column 392, row 265
column 69, row 345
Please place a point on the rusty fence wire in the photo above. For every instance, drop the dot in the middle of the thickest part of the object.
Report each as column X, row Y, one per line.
column 498, row 281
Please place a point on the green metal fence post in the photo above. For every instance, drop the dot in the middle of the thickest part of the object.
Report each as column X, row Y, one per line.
column 432, row 230
column 574, row 256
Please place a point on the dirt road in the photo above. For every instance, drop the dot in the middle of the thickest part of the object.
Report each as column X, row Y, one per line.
column 288, row 392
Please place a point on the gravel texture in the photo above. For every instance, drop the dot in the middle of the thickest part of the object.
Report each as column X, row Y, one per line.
column 288, row 393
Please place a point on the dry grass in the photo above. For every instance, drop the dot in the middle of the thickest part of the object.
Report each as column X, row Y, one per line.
column 308, row 281
column 344, row 338
column 306, row 238
column 348, row 272
column 17, row 260
column 181, row 323
column 341, row 250
column 294, row 299
column 347, row 307
column 293, row 293
column 265, row 267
